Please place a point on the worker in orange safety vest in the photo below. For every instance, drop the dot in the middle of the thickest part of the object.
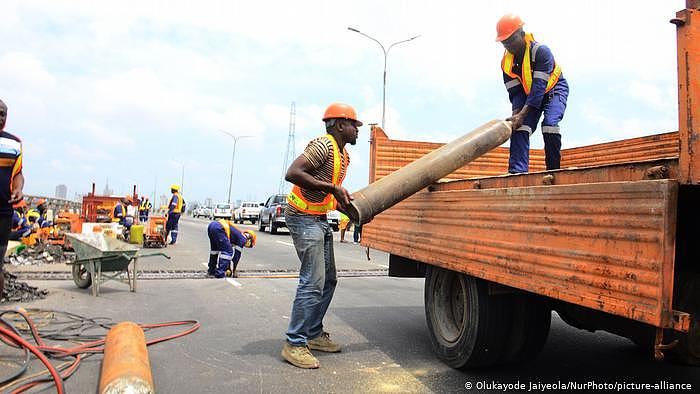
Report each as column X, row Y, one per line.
column 317, row 175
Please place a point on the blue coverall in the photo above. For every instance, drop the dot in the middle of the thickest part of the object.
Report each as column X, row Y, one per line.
column 120, row 213
column 225, row 251
column 20, row 227
column 552, row 104
column 171, row 225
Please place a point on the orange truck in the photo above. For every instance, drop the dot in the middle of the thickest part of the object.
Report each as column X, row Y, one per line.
column 606, row 241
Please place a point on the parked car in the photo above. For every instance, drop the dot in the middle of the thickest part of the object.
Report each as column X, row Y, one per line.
column 247, row 211
column 272, row 213
column 223, row 210
column 333, row 218
column 202, row 212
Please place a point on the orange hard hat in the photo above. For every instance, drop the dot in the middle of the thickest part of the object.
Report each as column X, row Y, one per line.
column 251, row 238
column 19, row 204
column 507, row 25
column 41, row 201
column 342, row 111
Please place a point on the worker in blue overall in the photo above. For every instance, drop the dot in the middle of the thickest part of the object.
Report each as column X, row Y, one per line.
column 20, row 225
column 119, row 215
column 144, row 208
column 175, row 208
column 43, row 218
column 535, row 87
column 226, row 242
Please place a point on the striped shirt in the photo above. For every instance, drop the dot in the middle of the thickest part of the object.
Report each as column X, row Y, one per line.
column 319, row 153
column 10, row 165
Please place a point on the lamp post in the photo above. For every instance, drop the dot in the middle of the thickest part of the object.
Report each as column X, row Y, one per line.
column 386, row 53
column 233, row 156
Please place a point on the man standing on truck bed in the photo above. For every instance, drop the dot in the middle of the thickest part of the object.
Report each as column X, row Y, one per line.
column 317, row 175
column 535, row 85
column 11, row 184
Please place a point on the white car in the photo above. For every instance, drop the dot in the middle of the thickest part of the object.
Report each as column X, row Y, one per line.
column 202, row 212
column 223, row 210
column 247, row 211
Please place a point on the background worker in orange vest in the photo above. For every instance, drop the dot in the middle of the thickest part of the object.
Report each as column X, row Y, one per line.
column 11, row 184
column 317, row 175
column 535, row 86
column 226, row 246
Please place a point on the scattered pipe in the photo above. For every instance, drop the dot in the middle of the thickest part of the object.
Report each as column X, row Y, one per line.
column 125, row 367
column 404, row 182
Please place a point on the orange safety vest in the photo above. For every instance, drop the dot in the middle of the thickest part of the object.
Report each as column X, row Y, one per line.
column 296, row 198
column 526, row 73
column 178, row 207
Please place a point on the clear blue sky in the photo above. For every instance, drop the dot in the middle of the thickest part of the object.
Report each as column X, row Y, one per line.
column 132, row 90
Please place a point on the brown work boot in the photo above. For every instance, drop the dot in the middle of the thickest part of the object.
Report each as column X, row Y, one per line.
column 299, row 356
column 323, row 343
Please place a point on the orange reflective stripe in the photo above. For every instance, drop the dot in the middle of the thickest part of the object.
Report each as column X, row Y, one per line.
column 526, row 71
column 296, row 199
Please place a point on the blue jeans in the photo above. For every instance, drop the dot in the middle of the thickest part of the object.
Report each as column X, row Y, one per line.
column 313, row 241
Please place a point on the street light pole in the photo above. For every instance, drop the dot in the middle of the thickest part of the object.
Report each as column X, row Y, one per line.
column 233, row 156
column 386, row 54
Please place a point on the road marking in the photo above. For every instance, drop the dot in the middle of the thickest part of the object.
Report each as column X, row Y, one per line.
column 233, row 282
column 285, row 243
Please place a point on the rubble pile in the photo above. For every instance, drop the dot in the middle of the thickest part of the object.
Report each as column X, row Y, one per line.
column 16, row 291
column 41, row 254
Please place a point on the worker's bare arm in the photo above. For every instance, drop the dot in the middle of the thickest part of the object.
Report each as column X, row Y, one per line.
column 17, row 186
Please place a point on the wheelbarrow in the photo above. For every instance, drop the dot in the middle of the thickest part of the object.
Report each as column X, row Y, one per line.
column 98, row 255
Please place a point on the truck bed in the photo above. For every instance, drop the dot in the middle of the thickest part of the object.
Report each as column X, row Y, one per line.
column 599, row 233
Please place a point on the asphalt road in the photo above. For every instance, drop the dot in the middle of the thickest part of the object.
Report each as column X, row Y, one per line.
column 379, row 320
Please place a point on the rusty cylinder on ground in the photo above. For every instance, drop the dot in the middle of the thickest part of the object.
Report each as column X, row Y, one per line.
column 125, row 367
column 404, row 182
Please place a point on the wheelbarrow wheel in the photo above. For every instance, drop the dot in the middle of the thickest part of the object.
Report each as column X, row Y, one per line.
column 81, row 276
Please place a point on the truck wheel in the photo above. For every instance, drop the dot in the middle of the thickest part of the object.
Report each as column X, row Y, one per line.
column 688, row 349
column 467, row 326
column 273, row 228
column 261, row 227
column 529, row 328
column 252, row 221
column 81, row 276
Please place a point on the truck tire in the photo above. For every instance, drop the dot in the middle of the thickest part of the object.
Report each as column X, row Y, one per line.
column 81, row 276
column 273, row 227
column 261, row 227
column 529, row 328
column 467, row 326
column 252, row 221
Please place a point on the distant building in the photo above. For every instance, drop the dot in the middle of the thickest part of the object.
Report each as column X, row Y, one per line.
column 61, row 191
column 208, row 202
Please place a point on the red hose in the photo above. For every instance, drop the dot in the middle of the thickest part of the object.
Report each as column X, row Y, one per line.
column 76, row 351
column 52, row 370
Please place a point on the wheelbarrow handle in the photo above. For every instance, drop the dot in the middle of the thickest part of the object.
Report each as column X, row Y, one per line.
column 153, row 254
